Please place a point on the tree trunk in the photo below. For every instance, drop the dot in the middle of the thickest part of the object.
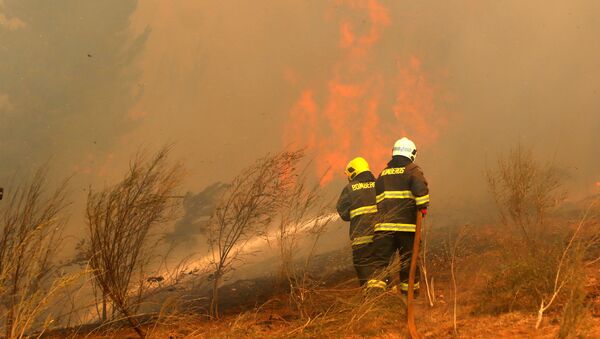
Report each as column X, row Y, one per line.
column 134, row 323
column 103, row 307
column 214, row 303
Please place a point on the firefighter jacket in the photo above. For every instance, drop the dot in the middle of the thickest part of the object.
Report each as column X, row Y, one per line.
column 401, row 190
column 357, row 204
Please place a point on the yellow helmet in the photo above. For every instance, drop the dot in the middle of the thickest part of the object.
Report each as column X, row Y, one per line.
column 355, row 167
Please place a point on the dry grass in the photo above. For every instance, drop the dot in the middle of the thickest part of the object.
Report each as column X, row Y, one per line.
column 533, row 258
column 303, row 219
column 542, row 260
column 30, row 235
column 337, row 309
column 427, row 278
column 454, row 250
column 337, row 312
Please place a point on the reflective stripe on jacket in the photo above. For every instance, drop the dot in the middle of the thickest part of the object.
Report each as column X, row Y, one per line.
column 401, row 190
column 358, row 205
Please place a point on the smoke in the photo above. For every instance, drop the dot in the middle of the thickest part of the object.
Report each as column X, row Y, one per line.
column 366, row 105
column 67, row 82
column 9, row 23
column 517, row 73
column 85, row 84
column 197, row 210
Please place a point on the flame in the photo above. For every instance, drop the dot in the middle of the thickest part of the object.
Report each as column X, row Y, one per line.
column 598, row 184
column 350, row 120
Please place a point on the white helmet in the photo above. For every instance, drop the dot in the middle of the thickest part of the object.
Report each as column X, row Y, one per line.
column 406, row 148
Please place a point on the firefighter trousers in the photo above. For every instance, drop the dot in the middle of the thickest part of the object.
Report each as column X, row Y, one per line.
column 362, row 257
column 385, row 245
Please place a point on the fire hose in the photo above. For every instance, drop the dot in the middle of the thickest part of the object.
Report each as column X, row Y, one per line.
column 412, row 328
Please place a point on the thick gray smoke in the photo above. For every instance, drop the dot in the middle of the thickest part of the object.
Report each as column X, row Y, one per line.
column 518, row 72
column 197, row 211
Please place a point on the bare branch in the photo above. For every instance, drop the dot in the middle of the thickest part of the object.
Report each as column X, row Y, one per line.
column 120, row 220
column 248, row 207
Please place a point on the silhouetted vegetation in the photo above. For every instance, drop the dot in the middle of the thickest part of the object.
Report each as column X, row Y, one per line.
column 249, row 206
column 31, row 225
column 120, row 221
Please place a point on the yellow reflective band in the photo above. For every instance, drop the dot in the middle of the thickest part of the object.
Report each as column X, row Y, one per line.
column 374, row 283
column 367, row 239
column 394, row 195
column 422, row 200
column 363, row 210
column 393, row 226
column 404, row 286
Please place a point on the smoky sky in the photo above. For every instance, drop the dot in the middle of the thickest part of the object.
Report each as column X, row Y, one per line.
column 67, row 80
column 197, row 210
column 89, row 82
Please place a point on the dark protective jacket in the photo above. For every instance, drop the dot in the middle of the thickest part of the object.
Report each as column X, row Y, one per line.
column 357, row 204
column 401, row 190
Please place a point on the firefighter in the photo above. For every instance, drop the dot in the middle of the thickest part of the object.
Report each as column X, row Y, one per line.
column 358, row 206
column 402, row 192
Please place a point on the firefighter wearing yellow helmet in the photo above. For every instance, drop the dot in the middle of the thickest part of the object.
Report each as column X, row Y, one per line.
column 402, row 192
column 357, row 205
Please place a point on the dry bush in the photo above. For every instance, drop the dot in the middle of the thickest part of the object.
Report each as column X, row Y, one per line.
column 576, row 307
column 541, row 259
column 302, row 284
column 455, row 249
column 246, row 210
column 580, row 253
column 30, row 236
column 120, row 221
column 525, row 192
column 569, row 268
column 302, row 214
column 73, row 301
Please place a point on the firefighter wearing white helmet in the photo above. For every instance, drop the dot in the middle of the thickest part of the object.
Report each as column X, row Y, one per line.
column 357, row 204
column 406, row 148
column 402, row 191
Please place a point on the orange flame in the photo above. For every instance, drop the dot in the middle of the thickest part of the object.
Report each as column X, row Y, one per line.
column 351, row 121
column 598, row 184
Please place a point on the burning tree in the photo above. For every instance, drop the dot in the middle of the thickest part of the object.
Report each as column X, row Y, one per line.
column 246, row 209
column 120, row 220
